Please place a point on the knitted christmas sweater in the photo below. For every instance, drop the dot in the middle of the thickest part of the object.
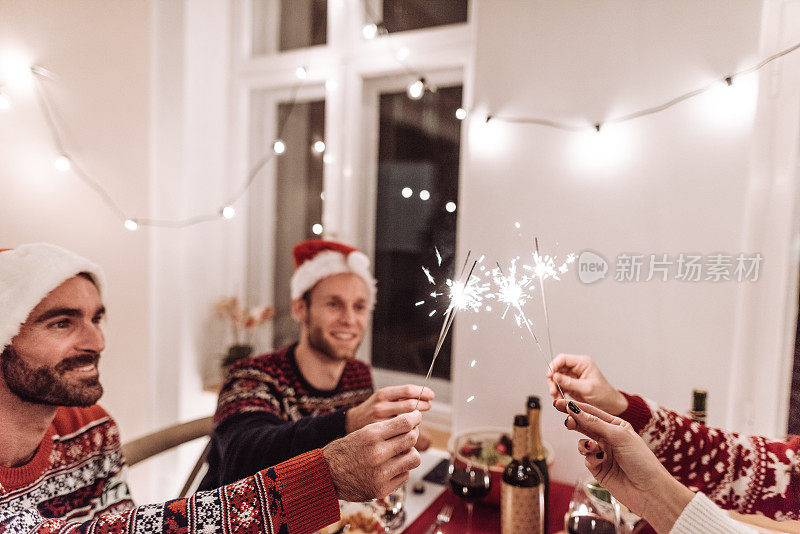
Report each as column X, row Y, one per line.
column 268, row 412
column 746, row 474
column 75, row 483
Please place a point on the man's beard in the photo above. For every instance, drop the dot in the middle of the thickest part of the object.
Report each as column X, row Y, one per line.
column 317, row 341
column 47, row 385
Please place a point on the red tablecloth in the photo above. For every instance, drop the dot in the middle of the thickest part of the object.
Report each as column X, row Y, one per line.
column 486, row 518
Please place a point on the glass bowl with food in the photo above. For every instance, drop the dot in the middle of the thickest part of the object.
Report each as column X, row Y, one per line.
column 490, row 446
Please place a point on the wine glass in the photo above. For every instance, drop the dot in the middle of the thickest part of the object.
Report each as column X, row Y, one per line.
column 391, row 509
column 469, row 477
column 592, row 510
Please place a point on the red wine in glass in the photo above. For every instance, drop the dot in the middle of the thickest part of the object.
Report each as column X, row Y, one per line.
column 470, row 484
column 590, row 524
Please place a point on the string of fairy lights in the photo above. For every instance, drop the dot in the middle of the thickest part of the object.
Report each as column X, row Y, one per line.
column 417, row 88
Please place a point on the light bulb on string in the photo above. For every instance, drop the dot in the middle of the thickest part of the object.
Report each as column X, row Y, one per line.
column 16, row 70
column 5, row 101
column 319, row 147
column 407, row 192
column 461, row 114
column 424, row 194
column 417, row 89
column 301, row 73
column 730, row 104
column 603, row 147
column 450, row 207
column 317, row 229
column 228, row 212
column 487, row 137
column 279, row 147
column 62, row 163
column 131, row 225
column 369, row 31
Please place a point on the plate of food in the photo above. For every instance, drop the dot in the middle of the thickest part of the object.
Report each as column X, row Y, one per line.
column 357, row 518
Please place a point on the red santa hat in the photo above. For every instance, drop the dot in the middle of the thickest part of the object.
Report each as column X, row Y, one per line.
column 316, row 259
column 27, row 274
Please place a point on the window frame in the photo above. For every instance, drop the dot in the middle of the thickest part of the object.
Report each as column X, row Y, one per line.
column 372, row 89
column 443, row 54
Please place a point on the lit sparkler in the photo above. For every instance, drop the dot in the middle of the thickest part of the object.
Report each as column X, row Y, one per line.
column 465, row 293
column 514, row 293
column 544, row 267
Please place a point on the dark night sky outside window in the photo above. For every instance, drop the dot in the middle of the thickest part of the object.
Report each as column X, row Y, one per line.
column 418, row 149
column 404, row 15
column 303, row 23
column 299, row 24
column 298, row 202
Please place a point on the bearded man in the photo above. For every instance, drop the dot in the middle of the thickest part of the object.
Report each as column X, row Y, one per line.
column 303, row 396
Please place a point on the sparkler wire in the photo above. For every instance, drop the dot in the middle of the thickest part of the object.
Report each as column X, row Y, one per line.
column 448, row 320
column 546, row 318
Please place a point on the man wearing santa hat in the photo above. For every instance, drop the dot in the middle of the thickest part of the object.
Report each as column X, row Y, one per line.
column 303, row 396
column 61, row 465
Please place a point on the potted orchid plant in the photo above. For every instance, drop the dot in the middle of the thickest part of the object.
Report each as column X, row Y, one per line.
column 243, row 323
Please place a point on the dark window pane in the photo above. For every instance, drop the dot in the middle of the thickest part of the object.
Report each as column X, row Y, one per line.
column 303, row 23
column 403, row 15
column 298, row 205
column 418, row 150
column 288, row 24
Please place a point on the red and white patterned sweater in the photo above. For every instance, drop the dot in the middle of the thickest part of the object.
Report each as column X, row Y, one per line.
column 746, row 474
column 75, row 483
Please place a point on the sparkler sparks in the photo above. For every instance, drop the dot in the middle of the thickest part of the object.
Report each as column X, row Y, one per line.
column 514, row 292
column 545, row 268
column 465, row 293
column 513, row 289
column 510, row 291
column 428, row 275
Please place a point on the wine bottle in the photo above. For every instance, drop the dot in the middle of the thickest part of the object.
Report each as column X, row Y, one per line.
column 538, row 453
column 698, row 413
column 521, row 497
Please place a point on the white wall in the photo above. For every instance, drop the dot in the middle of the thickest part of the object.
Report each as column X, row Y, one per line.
column 195, row 266
column 100, row 56
column 142, row 90
column 679, row 184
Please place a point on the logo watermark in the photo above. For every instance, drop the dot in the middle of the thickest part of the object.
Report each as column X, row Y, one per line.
column 683, row 267
column 591, row 267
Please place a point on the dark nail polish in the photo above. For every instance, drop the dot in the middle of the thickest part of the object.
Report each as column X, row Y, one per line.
column 573, row 408
column 586, row 445
column 554, row 403
column 566, row 421
column 600, row 455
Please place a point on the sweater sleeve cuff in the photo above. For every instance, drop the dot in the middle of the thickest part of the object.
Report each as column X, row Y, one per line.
column 638, row 413
column 307, row 492
column 338, row 421
column 702, row 515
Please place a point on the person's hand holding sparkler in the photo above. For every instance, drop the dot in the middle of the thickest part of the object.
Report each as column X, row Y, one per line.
column 387, row 403
column 580, row 378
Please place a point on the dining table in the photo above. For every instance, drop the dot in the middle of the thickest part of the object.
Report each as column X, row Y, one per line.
column 422, row 508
